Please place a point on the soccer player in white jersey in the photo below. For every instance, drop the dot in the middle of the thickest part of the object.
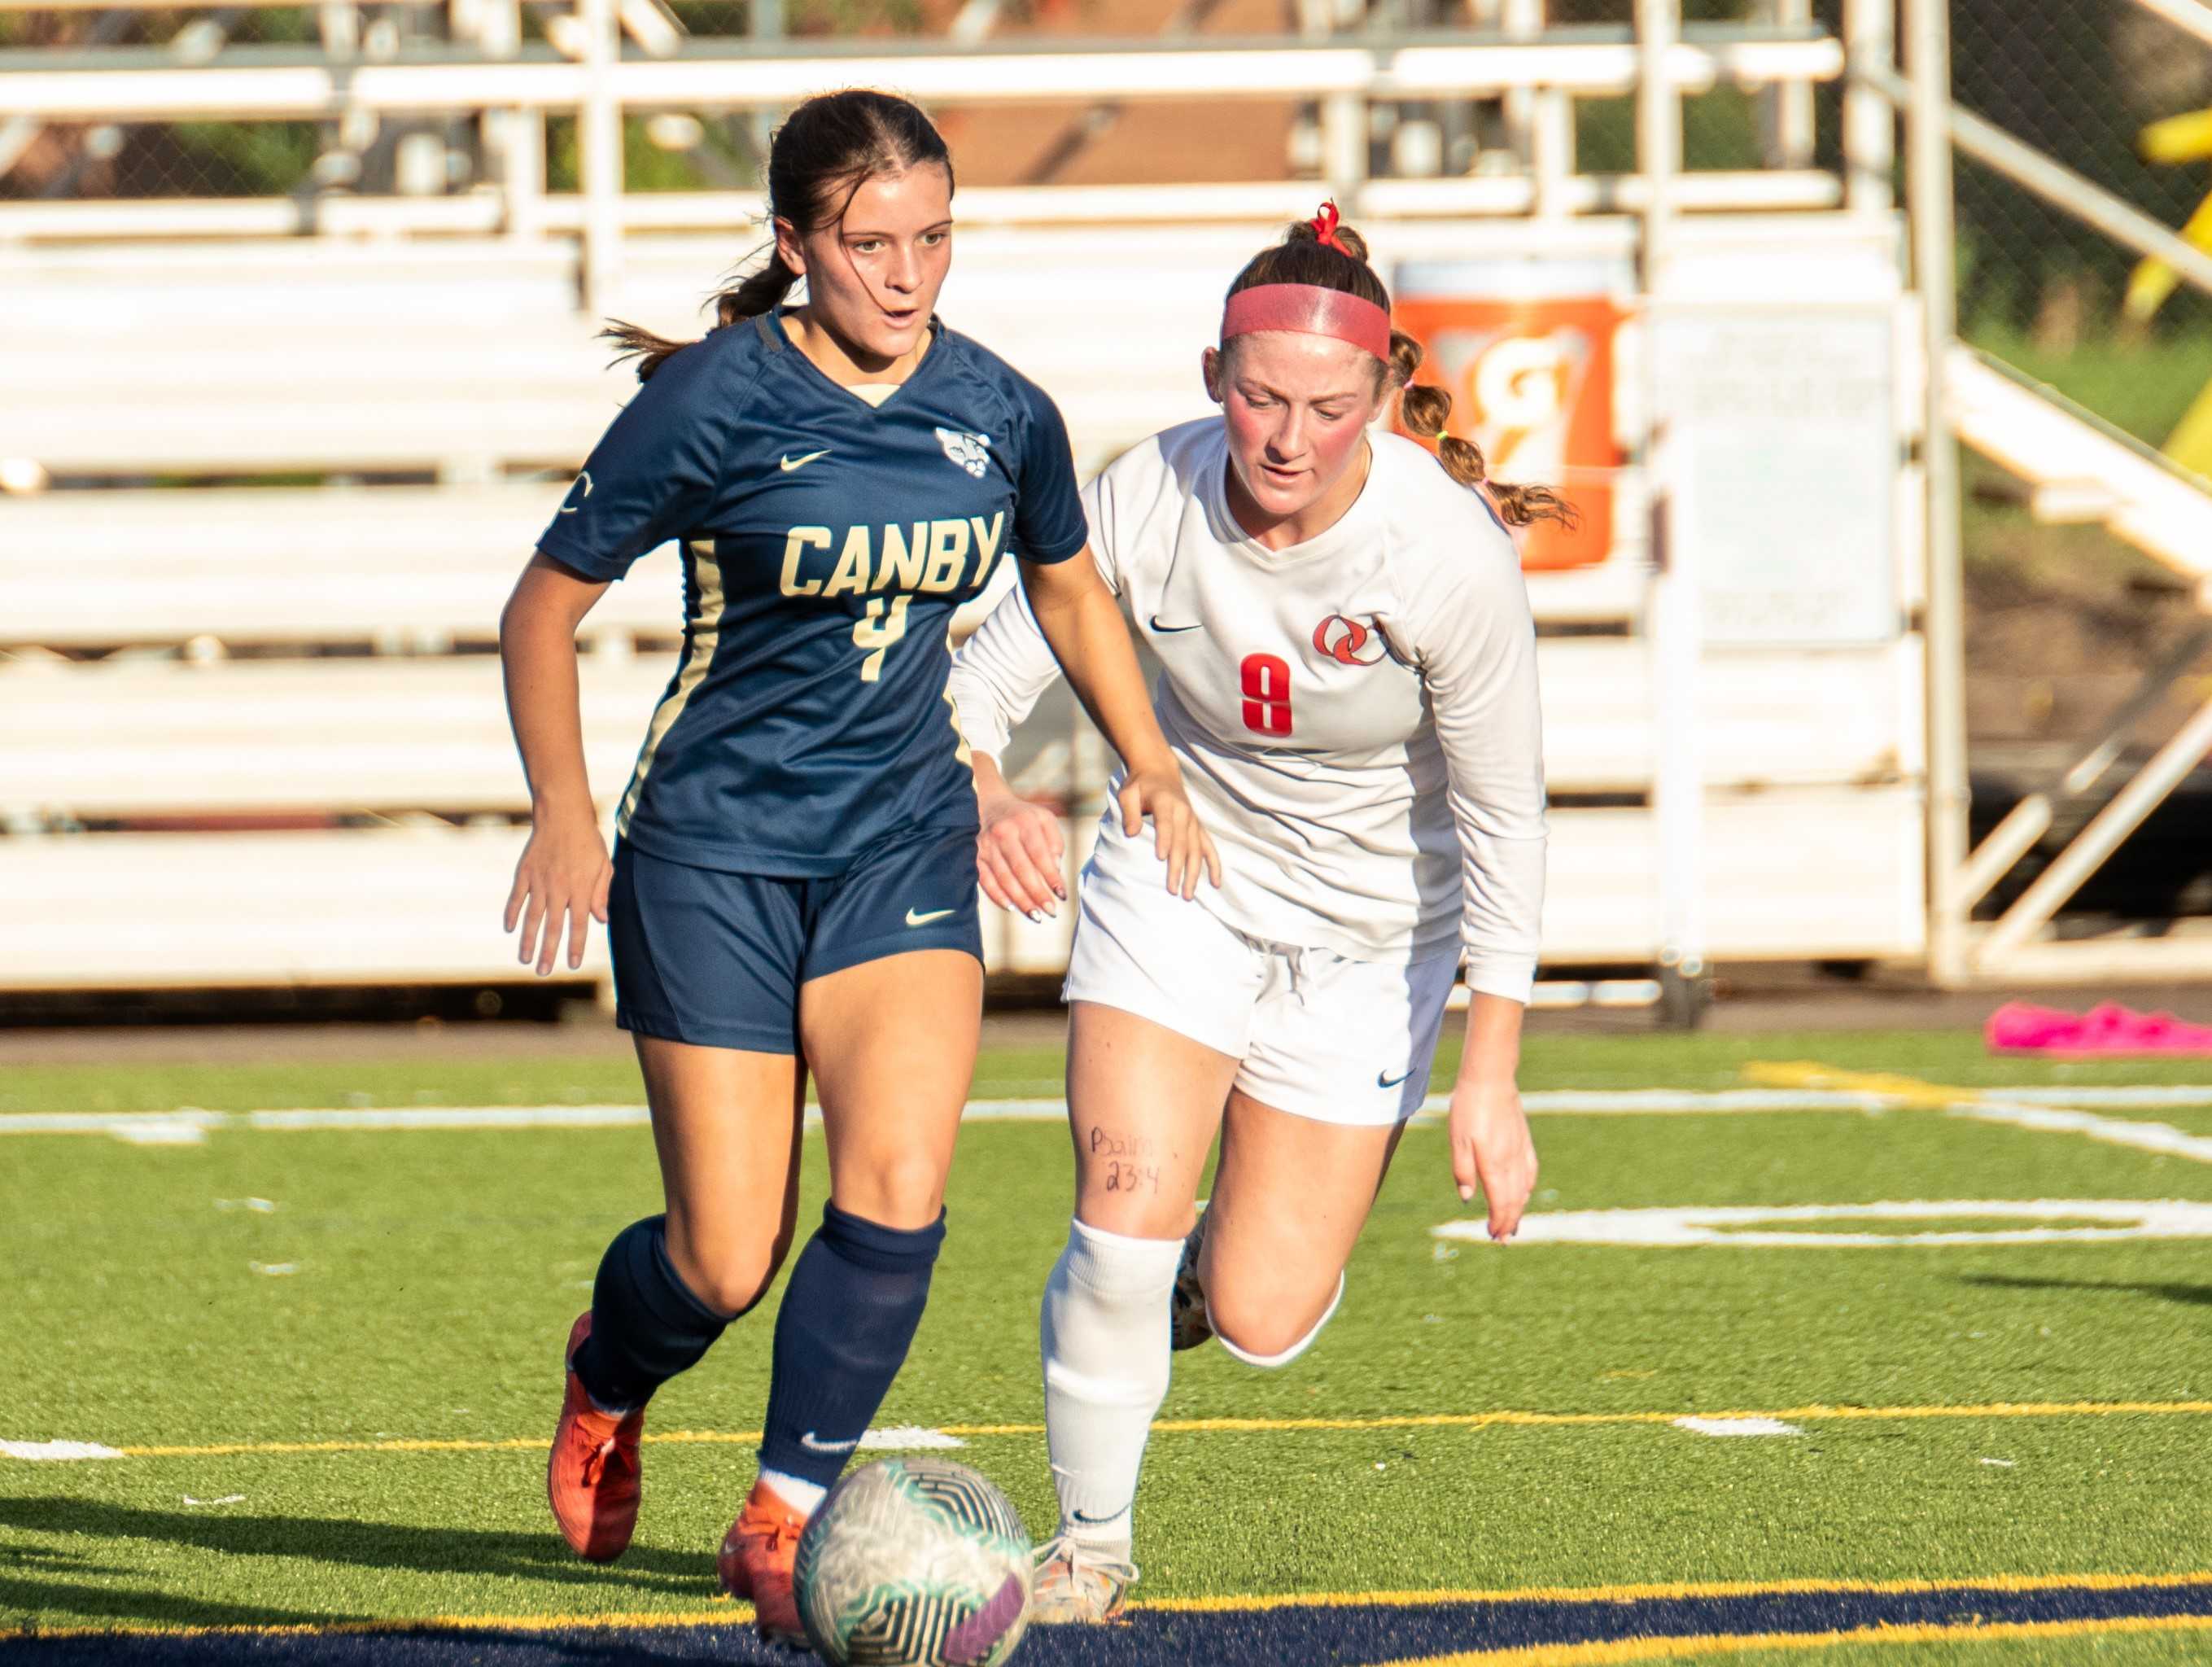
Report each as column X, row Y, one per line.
column 1350, row 688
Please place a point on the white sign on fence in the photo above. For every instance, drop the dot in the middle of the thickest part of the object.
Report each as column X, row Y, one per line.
column 1782, row 427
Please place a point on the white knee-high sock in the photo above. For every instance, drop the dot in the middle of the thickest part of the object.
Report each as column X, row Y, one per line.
column 1103, row 1333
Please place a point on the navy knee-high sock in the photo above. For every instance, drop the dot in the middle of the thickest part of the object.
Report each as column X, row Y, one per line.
column 847, row 1318
column 646, row 1323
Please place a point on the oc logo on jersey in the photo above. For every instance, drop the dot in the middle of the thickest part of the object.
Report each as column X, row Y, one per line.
column 1349, row 642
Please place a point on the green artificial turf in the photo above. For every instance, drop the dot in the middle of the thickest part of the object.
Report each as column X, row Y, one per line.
column 1548, row 1060
column 417, row 1286
column 522, row 1079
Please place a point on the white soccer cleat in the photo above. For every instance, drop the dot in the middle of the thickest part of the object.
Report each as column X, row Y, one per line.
column 1078, row 1583
column 1187, row 1325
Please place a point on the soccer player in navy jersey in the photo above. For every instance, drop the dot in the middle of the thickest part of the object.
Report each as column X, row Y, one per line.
column 793, row 886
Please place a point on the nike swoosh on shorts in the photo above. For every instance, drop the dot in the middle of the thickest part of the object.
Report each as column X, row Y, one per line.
column 1382, row 1081
column 790, row 463
column 913, row 918
column 1165, row 628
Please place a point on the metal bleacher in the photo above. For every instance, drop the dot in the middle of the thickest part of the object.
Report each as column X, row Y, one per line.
column 295, row 667
column 254, row 730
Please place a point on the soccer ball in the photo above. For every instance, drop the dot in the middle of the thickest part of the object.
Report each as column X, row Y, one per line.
column 914, row 1562
column 1188, row 1324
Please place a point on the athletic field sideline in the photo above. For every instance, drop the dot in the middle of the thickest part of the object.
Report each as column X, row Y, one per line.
column 1853, row 1347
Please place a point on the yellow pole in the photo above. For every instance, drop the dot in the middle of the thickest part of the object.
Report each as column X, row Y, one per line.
column 2154, row 281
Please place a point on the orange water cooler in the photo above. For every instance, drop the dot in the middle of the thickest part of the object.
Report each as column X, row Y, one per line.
column 1531, row 378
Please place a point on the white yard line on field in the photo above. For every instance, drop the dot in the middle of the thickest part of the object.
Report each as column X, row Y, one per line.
column 893, row 1438
column 1735, row 1426
column 1789, row 1226
column 57, row 1452
column 1731, row 1421
column 2119, row 1098
column 2017, row 1110
column 1793, row 1088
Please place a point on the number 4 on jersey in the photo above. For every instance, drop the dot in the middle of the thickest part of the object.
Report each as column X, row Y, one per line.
column 1266, row 695
column 876, row 633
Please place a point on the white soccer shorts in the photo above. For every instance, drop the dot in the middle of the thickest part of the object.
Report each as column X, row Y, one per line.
column 1320, row 1035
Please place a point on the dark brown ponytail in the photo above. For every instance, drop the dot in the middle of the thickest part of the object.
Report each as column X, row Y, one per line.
column 1341, row 264
column 826, row 150
column 1424, row 408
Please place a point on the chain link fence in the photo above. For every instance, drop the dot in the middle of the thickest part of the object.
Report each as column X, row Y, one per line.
column 1721, row 129
column 71, row 160
column 2081, row 79
column 1074, row 144
column 373, row 155
column 2088, row 83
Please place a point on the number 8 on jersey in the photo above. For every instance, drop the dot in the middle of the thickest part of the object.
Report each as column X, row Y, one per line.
column 1266, row 695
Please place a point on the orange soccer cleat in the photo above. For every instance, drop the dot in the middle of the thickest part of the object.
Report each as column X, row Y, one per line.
column 591, row 1477
column 756, row 1559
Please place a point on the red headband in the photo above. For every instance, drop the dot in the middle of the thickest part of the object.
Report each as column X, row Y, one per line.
column 1311, row 310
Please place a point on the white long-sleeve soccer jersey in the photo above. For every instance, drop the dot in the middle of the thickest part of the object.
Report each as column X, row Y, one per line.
column 1356, row 716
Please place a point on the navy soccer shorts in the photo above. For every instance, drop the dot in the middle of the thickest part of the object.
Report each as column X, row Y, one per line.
column 717, row 959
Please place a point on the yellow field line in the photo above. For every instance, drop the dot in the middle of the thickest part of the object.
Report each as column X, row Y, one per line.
column 1908, row 1092
column 1678, row 1592
column 1610, row 1651
column 730, row 1614
column 1506, row 1417
column 235, row 1449
column 1541, row 1419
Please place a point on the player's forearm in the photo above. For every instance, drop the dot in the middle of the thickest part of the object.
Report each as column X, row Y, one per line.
column 1092, row 645
column 1493, row 1053
column 991, row 783
column 1502, row 887
column 538, row 655
column 999, row 674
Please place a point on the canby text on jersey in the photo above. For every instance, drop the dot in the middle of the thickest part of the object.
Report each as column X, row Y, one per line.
column 926, row 555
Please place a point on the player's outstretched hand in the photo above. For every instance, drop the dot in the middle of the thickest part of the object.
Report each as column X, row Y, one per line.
column 1177, row 835
column 560, row 881
column 1491, row 1148
column 1020, row 856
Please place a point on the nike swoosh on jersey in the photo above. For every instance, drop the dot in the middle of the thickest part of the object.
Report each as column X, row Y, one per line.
column 815, row 1444
column 916, row 918
column 1382, row 1081
column 790, row 463
column 1164, row 629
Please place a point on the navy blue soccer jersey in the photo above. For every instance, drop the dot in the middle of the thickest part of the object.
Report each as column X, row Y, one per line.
column 826, row 543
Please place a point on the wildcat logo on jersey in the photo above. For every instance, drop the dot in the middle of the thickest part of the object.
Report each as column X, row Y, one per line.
column 1350, row 643
column 972, row 452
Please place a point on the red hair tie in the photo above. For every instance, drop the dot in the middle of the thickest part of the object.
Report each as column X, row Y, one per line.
column 1325, row 224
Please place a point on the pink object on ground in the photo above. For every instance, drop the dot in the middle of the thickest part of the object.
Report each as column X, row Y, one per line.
column 2106, row 1031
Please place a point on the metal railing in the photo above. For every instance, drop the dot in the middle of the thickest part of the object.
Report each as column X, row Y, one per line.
column 1959, row 874
column 1539, row 76
column 511, row 93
